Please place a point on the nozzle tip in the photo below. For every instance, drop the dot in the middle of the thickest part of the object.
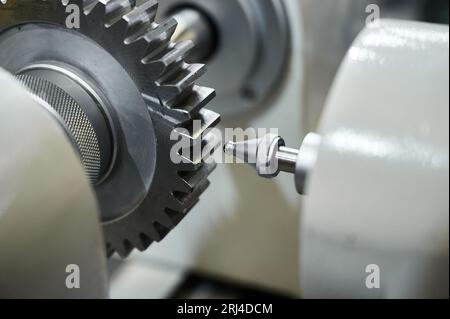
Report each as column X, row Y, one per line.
column 229, row 148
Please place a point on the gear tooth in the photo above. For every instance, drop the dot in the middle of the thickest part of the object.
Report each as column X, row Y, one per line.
column 186, row 201
column 149, row 231
column 156, row 67
column 190, row 180
column 79, row 3
column 189, row 107
column 108, row 12
column 89, row 5
column 209, row 119
column 174, row 215
column 198, row 137
column 116, row 10
column 211, row 143
column 185, row 109
column 143, row 12
column 162, row 32
column 124, row 248
column 162, row 59
column 196, row 159
column 139, row 20
column 174, row 85
column 145, row 241
column 158, row 39
column 109, row 250
column 160, row 231
column 183, row 185
column 175, row 204
column 165, row 220
column 199, row 125
column 190, row 164
column 140, row 241
column 96, row 10
column 139, row 46
column 120, row 28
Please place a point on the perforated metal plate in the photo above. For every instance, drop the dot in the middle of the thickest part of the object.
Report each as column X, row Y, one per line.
column 73, row 118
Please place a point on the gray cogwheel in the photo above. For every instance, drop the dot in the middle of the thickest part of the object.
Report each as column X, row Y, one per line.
column 130, row 69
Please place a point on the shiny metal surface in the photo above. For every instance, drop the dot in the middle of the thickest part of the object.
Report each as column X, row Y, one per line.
column 379, row 191
column 151, row 90
column 49, row 218
column 262, row 153
column 252, row 51
column 193, row 25
column 286, row 157
column 269, row 156
column 74, row 118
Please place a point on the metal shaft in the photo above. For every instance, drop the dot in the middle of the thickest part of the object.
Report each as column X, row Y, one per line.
column 287, row 159
column 269, row 156
column 195, row 26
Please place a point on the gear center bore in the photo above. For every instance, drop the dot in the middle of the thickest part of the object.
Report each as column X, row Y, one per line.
column 79, row 111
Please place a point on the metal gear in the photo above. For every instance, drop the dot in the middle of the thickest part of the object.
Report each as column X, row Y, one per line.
column 128, row 31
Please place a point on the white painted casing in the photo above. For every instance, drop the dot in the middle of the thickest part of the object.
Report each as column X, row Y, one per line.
column 379, row 191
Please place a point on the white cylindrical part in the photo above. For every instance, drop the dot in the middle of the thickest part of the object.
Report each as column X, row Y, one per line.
column 376, row 218
column 51, row 242
column 306, row 160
